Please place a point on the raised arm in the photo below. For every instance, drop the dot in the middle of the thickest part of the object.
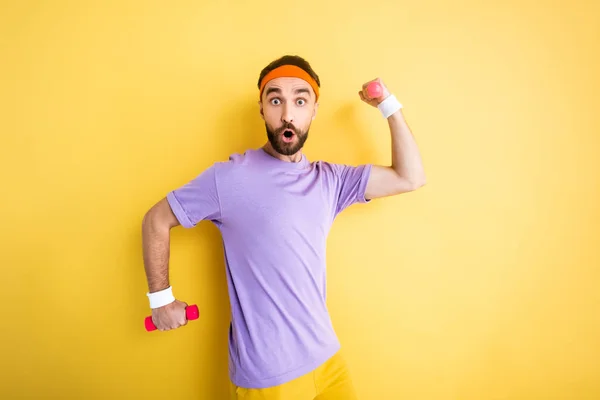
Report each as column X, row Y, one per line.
column 406, row 171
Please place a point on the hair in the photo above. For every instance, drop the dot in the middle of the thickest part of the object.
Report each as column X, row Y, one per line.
column 289, row 60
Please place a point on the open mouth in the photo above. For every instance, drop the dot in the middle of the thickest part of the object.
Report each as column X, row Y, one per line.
column 288, row 135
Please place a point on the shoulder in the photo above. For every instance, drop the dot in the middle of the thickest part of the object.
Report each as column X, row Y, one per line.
column 235, row 163
column 339, row 169
column 327, row 166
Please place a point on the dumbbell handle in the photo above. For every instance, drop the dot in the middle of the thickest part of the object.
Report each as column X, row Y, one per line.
column 374, row 90
column 191, row 313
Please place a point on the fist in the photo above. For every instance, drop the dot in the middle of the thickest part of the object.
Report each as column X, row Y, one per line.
column 171, row 316
column 364, row 93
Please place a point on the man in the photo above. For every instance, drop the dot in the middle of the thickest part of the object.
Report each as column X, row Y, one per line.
column 274, row 210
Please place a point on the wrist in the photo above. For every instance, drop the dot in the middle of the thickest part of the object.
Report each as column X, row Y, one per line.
column 389, row 106
column 396, row 118
column 161, row 298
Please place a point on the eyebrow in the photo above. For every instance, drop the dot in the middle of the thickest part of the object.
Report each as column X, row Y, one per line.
column 302, row 90
column 277, row 90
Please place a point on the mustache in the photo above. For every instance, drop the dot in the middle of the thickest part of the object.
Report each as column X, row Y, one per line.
column 286, row 127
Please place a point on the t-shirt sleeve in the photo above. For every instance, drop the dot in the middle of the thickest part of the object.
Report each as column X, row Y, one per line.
column 351, row 184
column 197, row 200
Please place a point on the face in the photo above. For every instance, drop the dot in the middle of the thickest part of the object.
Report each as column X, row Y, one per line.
column 288, row 107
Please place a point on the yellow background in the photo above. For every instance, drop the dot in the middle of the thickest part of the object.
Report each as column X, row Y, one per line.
column 481, row 285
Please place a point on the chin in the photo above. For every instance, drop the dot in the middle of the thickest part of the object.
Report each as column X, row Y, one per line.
column 288, row 149
column 283, row 148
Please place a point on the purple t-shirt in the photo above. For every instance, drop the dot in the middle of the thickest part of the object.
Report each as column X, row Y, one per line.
column 274, row 217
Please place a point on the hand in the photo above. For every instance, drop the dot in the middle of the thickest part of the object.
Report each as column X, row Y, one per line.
column 364, row 95
column 171, row 316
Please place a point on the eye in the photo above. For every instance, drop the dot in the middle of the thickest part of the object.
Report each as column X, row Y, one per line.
column 275, row 101
column 301, row 102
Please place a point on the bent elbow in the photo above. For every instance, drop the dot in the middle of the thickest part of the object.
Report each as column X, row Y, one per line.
column 418, row 184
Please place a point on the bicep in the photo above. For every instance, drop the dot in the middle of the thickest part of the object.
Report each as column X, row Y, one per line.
column 384, row 181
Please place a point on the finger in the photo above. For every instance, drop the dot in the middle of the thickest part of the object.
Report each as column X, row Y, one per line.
column 158, row 324
column 362, row 96
column 182, row 320
column 365, row 95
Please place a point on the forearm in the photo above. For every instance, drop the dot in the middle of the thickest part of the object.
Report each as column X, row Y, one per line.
column 406, row 159
column 156, row 251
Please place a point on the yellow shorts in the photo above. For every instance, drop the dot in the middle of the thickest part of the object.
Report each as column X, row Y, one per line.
column 330, row 381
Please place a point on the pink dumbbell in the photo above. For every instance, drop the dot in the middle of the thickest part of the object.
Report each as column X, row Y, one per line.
column 191, row 313
column 374, row 90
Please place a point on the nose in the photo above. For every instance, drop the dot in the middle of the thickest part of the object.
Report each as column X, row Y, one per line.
column 286, row 115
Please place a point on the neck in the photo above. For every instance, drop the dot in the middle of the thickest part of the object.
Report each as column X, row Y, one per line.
column 296, row 157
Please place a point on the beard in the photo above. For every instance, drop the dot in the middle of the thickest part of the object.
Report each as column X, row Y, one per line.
column 287, row 149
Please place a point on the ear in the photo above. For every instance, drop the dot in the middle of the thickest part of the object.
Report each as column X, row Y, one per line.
column 262, row 114
column 315, row 111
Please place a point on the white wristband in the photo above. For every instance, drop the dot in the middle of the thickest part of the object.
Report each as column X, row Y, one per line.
column 389, row 106
column 162, row 298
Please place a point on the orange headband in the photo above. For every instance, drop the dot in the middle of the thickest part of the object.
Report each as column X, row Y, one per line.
column 289, row 71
